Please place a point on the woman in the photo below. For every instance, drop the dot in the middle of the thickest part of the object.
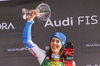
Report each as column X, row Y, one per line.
column 55, row 55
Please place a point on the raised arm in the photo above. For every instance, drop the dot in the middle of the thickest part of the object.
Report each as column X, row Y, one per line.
column 27, row 30
column 32, row 47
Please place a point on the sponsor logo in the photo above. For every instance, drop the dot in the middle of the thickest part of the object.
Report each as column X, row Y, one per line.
column 6, row 26
column 93, row 65
column 69, row 21
column 57, row 34
column 91, row 45
column 55, row 64
column 15, row 51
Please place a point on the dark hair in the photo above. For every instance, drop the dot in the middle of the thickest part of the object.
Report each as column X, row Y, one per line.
column 49, row 52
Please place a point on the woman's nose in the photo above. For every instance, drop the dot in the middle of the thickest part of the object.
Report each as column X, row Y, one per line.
column 55, row 42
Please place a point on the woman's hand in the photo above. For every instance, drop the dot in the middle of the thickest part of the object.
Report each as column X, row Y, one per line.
column 33, row 14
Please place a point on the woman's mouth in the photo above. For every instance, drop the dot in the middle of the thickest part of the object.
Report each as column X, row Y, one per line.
column 54, row 47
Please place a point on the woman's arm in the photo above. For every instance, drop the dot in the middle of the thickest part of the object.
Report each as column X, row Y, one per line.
column 32, row 47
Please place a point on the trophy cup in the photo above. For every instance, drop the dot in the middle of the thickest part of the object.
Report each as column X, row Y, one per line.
column 43, row 9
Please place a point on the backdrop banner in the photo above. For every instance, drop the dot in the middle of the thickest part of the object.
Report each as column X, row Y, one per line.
column 78, row 19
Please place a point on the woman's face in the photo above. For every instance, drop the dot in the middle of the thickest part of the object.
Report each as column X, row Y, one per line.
column 55, row 45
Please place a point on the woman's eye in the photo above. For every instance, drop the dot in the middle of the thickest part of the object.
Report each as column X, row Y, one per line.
column 52, row 40
column 57, row 41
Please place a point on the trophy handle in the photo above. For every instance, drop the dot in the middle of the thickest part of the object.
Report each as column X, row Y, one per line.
column 25, row 13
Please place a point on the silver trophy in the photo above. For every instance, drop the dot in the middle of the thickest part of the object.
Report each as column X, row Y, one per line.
column 44, row 12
